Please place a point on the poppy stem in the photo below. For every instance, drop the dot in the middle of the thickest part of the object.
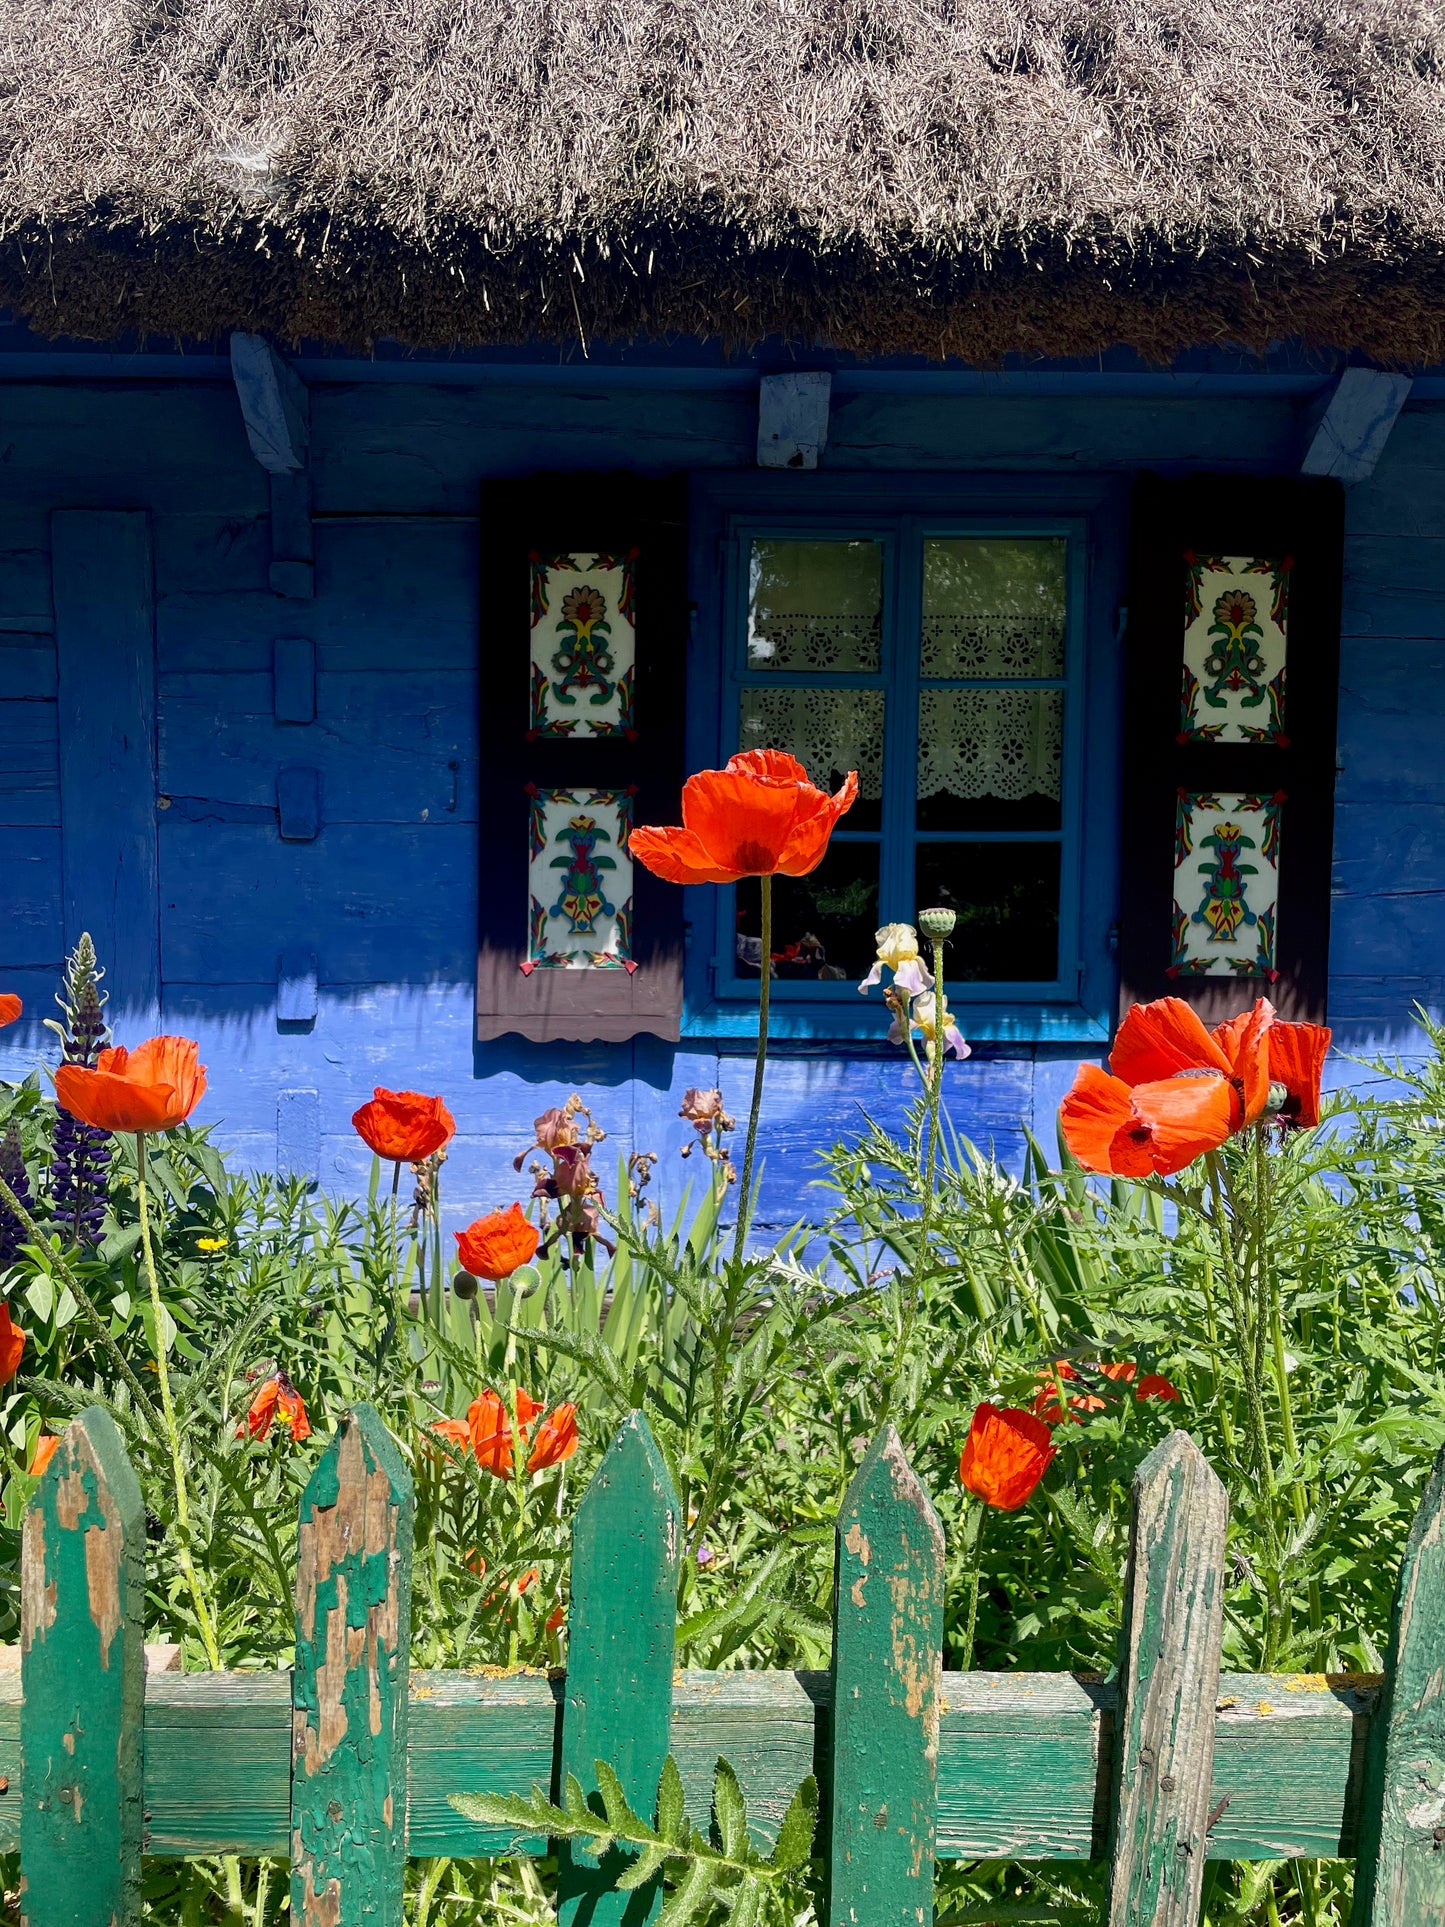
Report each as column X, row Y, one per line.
column 178, row 1467
column 87, row 1304
column 745, row 1191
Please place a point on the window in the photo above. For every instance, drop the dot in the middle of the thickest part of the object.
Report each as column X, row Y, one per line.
column 937, row 644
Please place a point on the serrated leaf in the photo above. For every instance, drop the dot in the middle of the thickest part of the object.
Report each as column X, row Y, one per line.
column 671, row 1803
column 747, row 1907
column 794, row 1845
column 620, row 1816
column 575, row 1801
column 730, row 1812
column 688, row 1899
column 647, row 1863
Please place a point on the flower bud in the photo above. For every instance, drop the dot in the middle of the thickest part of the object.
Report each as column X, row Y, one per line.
column 464, row 1286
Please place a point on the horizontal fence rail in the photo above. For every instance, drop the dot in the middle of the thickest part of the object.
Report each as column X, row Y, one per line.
column 345, row 1766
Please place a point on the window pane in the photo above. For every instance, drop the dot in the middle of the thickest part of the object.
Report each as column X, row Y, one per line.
column 824, row 924
column 830, row 731
column 993, row 608
column 990, row 759
column 1007, row 899
column 815, row 605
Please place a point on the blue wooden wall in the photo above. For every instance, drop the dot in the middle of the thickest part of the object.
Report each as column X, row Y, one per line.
column 210, row 907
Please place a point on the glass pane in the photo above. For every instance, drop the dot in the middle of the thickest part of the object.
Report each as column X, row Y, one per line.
column 993, row 608
column 1007, row 899
column 990, row 759
column 830, row 731
column 815, row 605
column 824, row 924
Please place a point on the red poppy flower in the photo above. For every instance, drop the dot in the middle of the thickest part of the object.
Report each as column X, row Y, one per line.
column 1155, row 1385
column 44, row 1452
column 495, row 1245
column 1005, row 1455
column 556, row 1619
column 10, row 1007
column 455, row 1431
column 489, row 1428
column 151, row 1088
column 556, row 1439
column 403, row 1126
column 1046, row 1405
column 12, row 1346
column 758, row 817
column 1297, row 1060
column 277, row 1398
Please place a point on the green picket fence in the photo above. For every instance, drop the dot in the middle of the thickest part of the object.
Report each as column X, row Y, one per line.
column 345, row 1766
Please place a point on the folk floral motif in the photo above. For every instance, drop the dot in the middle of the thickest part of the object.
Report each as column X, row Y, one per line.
column 1226, row 887
column 1234, row 660
column 580, row 895
column 583, row 674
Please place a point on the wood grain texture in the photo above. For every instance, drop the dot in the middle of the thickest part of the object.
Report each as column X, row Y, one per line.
column 82, row 1600
column 353, row 1638
column 106, row 680
column 1169, row 1686
column 1400, row 1878
column 621, row 1620
column 886, row 1673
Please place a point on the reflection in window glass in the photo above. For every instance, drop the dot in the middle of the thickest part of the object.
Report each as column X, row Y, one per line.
column 993, row 608
column 815, row 605
column 990, row 759
column 1007, row 899
column 830, row 731
column 823, row 923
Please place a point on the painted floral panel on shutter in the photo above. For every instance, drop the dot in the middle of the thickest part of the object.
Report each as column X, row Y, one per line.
column 579, row 880
column 1226, row 884
column 584, row 644
column 1236, row 616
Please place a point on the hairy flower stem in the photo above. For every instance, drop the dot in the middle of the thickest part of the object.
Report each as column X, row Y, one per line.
column 745, row 1190
column 1254, row 1401
column 972, row 1573
column 87, row 1305
column 178, row 1466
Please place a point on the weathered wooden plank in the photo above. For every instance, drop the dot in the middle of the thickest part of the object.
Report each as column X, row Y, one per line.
column 106, row 679
column 274, row 405
column 1350, row 436
column 620, row 1633
column 298, row 1134
column 298, row 803
column 27, row 667
column 82, row 1603
column 1168, row 1689
column 218, row 1763
column 353, row 1638
column 886, row 1674
column 793, row 419
column 1400, row 1876
column 29, row 765
column 293, row 679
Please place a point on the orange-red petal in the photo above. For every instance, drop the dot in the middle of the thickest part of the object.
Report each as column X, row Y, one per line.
column 1005, row 1455
column 1297, row 1060
column 1160, row 1039
column 494, row 1246
column 556, row 1439
column 1155, row 1385
column 12, row 1346
column 44, row 1452
column 677, row 856
column 10, row 1007
column 403, row 1126
column 1149, row 1129
column 1245, row 1042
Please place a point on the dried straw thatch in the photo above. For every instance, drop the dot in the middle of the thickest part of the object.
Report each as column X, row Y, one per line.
column 939, row 176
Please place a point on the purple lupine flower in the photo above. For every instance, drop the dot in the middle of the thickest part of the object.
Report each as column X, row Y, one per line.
column 80, row 1154
column 12, row 1169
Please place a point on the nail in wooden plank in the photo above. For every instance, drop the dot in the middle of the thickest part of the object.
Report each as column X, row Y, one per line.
column 297, row 987
column 82, row 1638
column 349, row 1688
column 1400, row 1872
column 106, row 715
column 621, row 1628
column 1351, row 434
column 1168, row 1686
column 274, row 404
column 887, row 1661
column 793, row 419
column 298, row 803
column 293, row 679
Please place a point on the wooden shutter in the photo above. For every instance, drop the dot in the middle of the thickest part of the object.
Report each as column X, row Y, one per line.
column 1187, row 538
column 553, row 516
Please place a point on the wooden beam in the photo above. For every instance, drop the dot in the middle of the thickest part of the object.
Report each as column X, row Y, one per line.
column 1350, row 436
column 1019, row 1765
column 793, row 419
column 273, row 404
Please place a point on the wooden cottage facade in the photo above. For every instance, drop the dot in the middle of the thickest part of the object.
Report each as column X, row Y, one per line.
column 398, row 498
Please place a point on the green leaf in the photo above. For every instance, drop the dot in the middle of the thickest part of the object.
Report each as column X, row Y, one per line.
column 647, row 1863
column 671, row 1804
column 795, row 1836
column 747, row 1907
column 620, row 1816
column 688, row 1899
column 730, row 1812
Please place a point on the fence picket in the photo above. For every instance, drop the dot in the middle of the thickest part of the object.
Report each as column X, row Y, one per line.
column 1400, row 1874
column 1168, row 1687
column 887, row 1661
column 349, row 1688
column 620, row 1635
column 82, row 1605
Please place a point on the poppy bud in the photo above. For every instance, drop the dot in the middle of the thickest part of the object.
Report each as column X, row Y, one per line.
column 464, row 1286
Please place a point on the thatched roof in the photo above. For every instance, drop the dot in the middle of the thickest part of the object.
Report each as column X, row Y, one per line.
column 935, row 176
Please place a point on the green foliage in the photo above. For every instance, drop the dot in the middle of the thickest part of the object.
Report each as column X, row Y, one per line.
column 722, row 1875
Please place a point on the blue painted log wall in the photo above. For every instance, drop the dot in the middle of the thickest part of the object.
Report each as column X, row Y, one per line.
column 373, row 919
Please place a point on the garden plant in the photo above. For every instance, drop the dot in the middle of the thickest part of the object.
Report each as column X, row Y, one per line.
column 1207, row 1244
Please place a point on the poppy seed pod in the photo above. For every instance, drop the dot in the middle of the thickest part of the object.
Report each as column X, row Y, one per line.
column 937, row 923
